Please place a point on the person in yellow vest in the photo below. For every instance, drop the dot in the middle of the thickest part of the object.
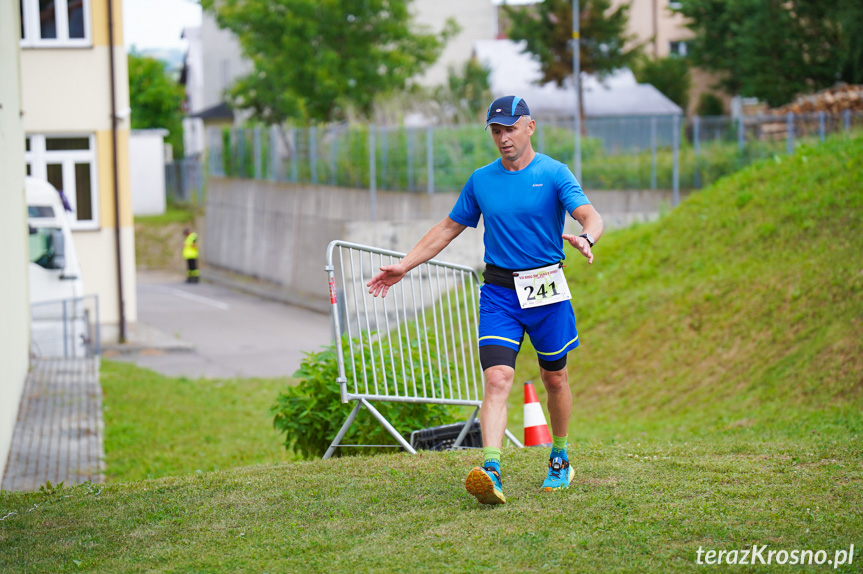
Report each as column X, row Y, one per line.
column 190, row 254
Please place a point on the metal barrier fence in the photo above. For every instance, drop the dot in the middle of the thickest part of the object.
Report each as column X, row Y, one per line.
column 67, row 328
column 419, row 344
column 638, row 152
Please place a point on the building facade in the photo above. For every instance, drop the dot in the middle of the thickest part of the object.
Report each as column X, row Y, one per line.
column 77, row 138
column 14, row 294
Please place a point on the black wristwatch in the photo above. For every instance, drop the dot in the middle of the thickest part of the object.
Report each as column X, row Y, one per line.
column 589, row 238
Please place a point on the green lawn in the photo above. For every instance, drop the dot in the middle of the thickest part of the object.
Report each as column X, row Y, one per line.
column 718, row 406
column 633, row 508
column 161, row 426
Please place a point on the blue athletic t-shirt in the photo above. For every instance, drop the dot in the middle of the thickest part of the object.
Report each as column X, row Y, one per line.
column 524, row 211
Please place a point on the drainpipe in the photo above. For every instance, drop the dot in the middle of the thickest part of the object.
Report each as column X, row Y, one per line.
column 116, row 176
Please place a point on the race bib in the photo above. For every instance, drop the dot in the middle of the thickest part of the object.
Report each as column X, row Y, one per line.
column 537, row 287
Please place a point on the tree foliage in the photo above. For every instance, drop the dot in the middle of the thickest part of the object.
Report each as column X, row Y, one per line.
column 777, row 49
column 313, row 59
column 465, row 97
column 668, row 75
column 547, row 30
column 156, row 99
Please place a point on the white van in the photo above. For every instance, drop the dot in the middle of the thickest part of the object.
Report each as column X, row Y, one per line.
column 60, row 323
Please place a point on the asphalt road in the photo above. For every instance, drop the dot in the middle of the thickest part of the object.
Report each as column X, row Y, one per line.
column 207, row 330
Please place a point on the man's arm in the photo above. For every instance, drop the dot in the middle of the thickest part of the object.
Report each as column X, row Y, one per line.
column 430, row 245
column 591, row 222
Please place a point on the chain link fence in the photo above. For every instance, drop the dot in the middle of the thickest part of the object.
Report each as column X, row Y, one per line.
column 656, row 152
column 184, row 180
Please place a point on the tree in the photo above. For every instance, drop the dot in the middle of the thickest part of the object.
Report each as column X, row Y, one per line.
column 546, row 28
column 466, row 94
column 776, row 49
column 668, row 75
column 313, row 59
column 156, row 99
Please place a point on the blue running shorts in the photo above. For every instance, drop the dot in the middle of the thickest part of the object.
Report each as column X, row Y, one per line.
column 502, row 321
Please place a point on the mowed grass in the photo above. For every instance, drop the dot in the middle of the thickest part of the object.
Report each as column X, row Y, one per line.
column 631, row 509
column 718, row 397
column 159, row 426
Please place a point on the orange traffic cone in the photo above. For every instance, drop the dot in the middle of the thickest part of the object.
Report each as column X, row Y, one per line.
column 535, row 428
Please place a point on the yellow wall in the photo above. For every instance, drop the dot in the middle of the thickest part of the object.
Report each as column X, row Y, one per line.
column 104, row 159
column 99, row 18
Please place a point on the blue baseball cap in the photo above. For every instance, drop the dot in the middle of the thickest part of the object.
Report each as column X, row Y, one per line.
column 506, row 111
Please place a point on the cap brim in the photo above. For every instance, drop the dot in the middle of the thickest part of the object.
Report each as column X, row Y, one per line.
column 502, row 120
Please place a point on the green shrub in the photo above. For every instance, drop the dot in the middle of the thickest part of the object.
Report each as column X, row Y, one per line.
column 311, row 413
column 709, row 104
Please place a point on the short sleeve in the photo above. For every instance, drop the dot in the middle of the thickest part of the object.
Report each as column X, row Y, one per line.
column 466, row 210
column 568, row 190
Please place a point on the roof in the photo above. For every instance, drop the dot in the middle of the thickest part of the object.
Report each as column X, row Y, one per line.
column 513, row 71
column 220, row 111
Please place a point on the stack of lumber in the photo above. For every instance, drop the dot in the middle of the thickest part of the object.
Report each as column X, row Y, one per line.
column 833, row 100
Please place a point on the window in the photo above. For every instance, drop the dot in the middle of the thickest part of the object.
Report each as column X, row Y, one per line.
column 69, row 163
column 677, row 48
column 47, row 247
column 55, row 23
column 675, row 5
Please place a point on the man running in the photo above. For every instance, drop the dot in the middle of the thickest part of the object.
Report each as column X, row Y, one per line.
column 523, row 198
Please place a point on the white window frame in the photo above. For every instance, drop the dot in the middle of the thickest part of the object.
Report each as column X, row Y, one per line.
column 39, row 157
column 32, row 32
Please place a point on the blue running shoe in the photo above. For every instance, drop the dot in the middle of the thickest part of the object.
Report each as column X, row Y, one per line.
column 484, row 483
column 560, row 473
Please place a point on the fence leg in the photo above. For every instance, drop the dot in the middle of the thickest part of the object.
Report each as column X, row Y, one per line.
column 467, row 426
column 512, row 439
column 343, row 431
column 653, row 153
column 390, row 429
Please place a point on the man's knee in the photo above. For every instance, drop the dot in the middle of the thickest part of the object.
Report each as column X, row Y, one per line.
column 498, row 380
column 555, row 380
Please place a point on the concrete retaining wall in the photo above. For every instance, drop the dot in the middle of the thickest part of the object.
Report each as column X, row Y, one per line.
column 271, row 237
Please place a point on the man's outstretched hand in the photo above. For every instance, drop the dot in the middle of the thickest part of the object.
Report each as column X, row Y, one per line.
column 579, row 243
column 389, row 276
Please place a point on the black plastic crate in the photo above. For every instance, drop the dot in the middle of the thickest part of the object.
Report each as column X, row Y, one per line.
column 443, row 437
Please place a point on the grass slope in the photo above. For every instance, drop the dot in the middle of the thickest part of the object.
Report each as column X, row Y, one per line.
column 718, row 406
column 742, row 309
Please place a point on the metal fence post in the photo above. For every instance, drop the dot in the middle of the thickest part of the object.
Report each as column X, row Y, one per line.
column 790, row 132
column 847, row 120
column 741, row 134
column 696, row 124
column 653, row 152
column 295, row 152
column 373, row 189
column 385, row 160
column 334, row 153
column 274, row 153
column 409, row 133
column 430, row 160
column 65, row 332
column 313, row 153
column 256, row 149
column 821, row 124
column 675, row 139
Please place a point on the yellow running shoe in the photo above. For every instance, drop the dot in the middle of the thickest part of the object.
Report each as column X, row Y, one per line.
column 484, row 483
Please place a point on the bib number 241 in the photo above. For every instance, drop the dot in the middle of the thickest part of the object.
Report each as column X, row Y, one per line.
column 537, row 287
